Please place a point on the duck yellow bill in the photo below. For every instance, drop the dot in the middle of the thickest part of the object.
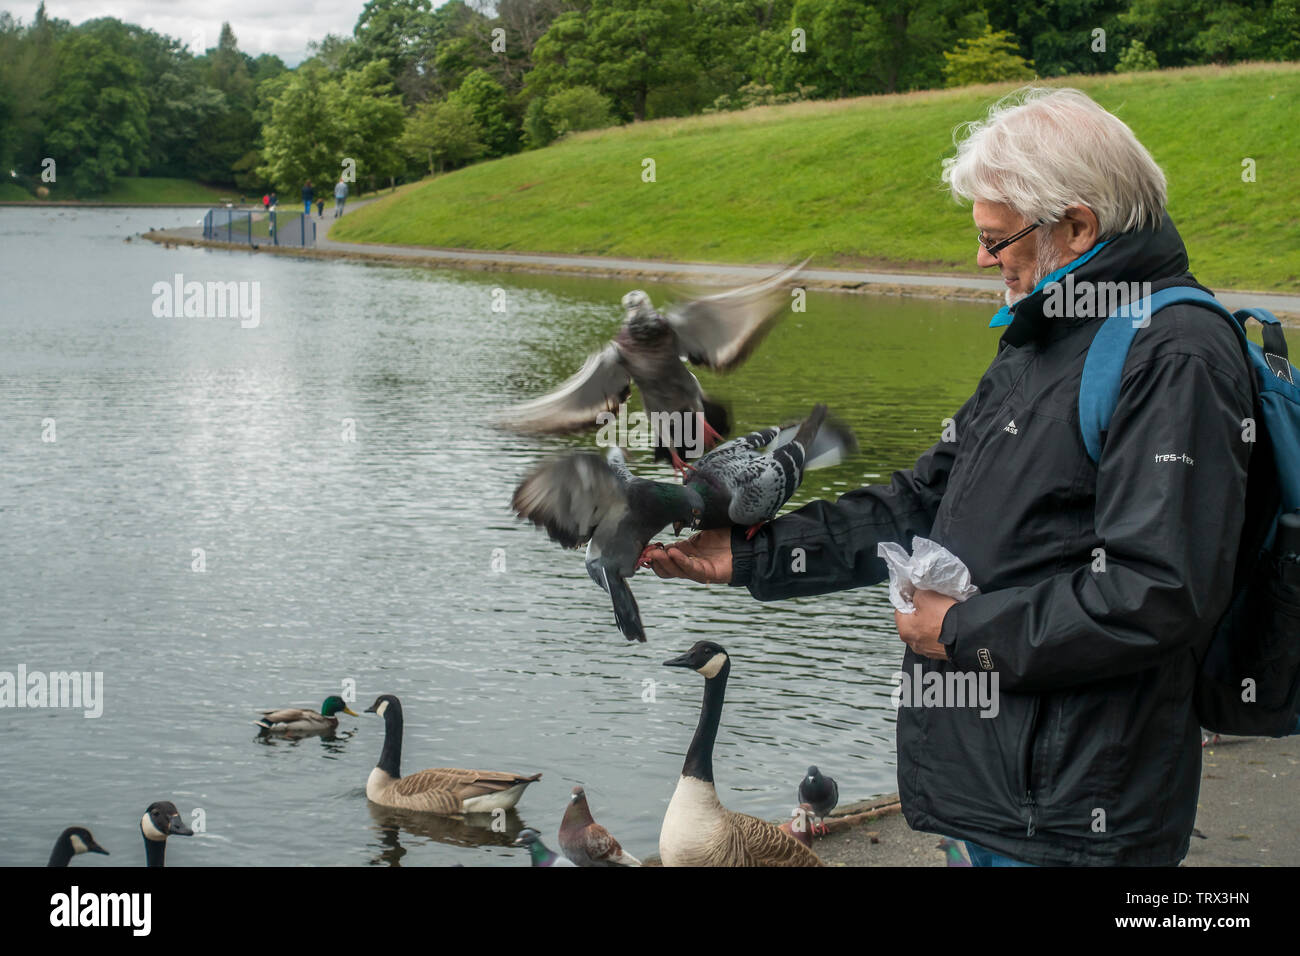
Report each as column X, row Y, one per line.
column 350, row 711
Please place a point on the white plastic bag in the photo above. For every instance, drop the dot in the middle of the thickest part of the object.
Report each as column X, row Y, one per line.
column 930, row 566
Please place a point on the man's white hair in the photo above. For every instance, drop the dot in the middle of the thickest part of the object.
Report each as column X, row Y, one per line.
column 1041, row 150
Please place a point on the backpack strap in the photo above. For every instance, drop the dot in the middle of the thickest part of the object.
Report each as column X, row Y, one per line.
column 1103, row 368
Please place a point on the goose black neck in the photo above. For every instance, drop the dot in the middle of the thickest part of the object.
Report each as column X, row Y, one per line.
column 699, row 758
column 62, row 853
column 390, row 758
column 154, row 851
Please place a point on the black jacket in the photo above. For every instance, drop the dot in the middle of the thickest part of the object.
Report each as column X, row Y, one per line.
column 1094, row 756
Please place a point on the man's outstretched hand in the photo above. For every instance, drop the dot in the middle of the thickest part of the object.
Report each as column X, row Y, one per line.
column 704, row 557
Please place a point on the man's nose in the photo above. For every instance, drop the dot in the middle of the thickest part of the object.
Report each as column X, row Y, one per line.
column 984, row 258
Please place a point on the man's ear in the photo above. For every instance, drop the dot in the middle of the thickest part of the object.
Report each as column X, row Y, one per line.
column 1078, row 229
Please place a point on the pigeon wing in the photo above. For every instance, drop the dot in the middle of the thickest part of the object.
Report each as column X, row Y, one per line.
column 600, row 385
column 721, row 331
column 569, row 496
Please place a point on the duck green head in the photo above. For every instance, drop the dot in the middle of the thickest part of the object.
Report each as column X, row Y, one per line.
column 333, row 705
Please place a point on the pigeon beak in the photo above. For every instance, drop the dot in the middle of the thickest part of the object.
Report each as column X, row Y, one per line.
column 677, row 527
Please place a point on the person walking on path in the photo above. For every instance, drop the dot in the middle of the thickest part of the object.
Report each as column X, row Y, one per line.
column 307, row 196
column 320, row 208
column 1093, row 755
column 340, row 197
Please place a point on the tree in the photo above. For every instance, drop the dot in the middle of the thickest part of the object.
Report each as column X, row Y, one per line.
column 624, row 48
column 1136, row 58
column 486, row 100
column 577, row 108
column 442, row 133
column 988, row 58
column 98, row 126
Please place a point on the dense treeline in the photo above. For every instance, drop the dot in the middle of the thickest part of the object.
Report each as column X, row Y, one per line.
column 416, row 89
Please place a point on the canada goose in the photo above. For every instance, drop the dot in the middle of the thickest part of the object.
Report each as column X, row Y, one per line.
column 160, row 821
column 586, row 842
column 72, row 842
column 538, row 851
column 293, row 722
column 800, row 825
column 441, row 790
column 698, row 830
column 821, row 793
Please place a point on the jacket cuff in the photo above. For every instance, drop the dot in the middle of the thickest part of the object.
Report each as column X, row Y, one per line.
column 948, row 633
column 742, row 558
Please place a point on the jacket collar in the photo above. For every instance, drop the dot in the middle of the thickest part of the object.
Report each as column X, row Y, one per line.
column 1140, row 255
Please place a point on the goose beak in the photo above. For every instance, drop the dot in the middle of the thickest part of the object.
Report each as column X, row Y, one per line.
column 96, row 848
column 369, row 710
column 350, row 712
column 683, row 661
column 178, row 827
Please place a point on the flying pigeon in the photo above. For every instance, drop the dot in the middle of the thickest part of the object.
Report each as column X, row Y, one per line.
column 581, row 498
column 717, row 331
column 586, row 842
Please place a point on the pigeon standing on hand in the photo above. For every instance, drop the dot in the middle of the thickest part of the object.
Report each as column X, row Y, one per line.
column 718, row 332
column 580, row 498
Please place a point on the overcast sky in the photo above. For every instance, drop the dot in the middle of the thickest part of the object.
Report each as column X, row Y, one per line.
column 282, row 27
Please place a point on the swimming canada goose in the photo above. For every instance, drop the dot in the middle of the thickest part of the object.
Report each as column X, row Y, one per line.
column 586, row 842
column 538, row 851
column 72, row 842
column 293, row 722
column 698, row 830
column 160, row 821
column 441, row 790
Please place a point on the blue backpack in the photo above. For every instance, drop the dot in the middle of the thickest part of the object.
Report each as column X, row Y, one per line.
column 1249, row 679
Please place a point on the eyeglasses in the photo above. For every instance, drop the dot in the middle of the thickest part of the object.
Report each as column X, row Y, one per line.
column 994, row 248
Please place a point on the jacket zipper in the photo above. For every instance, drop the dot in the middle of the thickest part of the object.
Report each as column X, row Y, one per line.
column 1031, row 807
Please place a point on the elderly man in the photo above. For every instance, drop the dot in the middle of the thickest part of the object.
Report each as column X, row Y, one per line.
column 1100, row 584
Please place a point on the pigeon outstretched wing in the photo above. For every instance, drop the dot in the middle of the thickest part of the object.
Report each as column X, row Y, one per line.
column 569, row 496
column 600, row 385
column 721, row 331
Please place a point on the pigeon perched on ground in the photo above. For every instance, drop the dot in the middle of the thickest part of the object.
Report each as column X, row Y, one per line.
column 581, row 498
column 537, row 850
column 820, row 792
column 718, row 332
column 586, row 842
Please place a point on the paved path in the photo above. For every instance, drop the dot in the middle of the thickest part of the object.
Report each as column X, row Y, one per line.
column 944, row 286
column 1248, row 814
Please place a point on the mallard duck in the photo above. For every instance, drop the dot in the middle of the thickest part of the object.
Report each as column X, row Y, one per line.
column 698, row 830
column 294, row 722
column 72, row 842
column 160, row 821
column 538, row 851
column 586, row 842
column 442, row 790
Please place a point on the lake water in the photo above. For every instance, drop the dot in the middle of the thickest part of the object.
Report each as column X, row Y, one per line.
column 371, row 561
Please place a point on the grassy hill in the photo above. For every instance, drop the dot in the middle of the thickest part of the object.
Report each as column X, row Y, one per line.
column 856, row 182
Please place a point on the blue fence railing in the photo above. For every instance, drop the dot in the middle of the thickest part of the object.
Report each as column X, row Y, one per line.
column 255, row 227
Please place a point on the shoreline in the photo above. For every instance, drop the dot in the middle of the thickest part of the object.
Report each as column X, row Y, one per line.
column 938, row 286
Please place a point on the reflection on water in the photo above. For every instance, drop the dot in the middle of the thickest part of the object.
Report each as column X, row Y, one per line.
column 372, row 560
column 397, row 829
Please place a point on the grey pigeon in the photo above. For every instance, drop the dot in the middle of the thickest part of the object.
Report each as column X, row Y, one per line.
column 820, row 792
column 717, row 331
column 580, row 498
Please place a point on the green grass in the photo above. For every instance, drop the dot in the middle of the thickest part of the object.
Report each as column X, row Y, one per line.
column 856, row 182
column 134, row 190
